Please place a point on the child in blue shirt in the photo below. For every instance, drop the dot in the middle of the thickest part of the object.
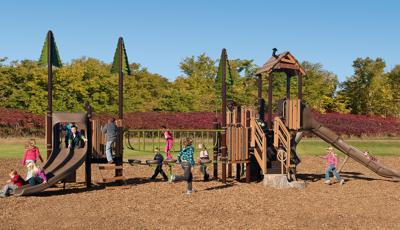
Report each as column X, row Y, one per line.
column 185, row 157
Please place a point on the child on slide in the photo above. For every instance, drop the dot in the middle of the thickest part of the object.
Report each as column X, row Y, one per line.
column 169, row 141
column 332, row 161
column 37, row 175
column 13, row 183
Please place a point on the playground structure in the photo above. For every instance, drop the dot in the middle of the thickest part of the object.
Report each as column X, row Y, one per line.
column 243, row 138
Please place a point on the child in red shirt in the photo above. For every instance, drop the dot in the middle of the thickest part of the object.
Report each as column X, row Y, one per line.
column 13, row 183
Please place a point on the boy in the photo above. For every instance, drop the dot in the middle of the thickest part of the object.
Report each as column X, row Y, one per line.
column 159, row 158
column 13, row 183
column 110, row 129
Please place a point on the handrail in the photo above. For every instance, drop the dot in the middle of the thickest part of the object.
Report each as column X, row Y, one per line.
column 283, row 135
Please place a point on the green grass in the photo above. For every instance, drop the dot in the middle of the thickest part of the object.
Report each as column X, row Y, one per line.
column 14, row 148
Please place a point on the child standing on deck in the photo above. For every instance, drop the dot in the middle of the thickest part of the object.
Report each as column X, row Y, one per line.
column 169, row 140
column 332, row 161
column 185, row 157
column 158, row 156
column 13, row 183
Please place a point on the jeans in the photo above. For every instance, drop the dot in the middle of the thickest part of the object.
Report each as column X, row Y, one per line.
column 35, row 180
column 8, row 188
column 159, row 170
column 187, row 172
column 109, row 150
column 332, row 168
column 203, row 170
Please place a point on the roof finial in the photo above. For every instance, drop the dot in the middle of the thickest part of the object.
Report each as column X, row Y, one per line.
column 274, row 52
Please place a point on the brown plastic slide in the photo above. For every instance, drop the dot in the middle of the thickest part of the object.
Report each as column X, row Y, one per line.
column 309, row 123
column 67, row 161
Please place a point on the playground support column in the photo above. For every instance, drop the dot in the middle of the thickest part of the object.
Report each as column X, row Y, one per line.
column 248, row 175
column 223, row 134
column 49, row 119
column 118, row 172
column 88, row 163
column 216, row 143
column 269, row 124
column 299, row 85
column 287, row 86
column 261, row 104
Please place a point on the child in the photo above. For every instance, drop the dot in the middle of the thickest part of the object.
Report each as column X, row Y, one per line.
column 31, row 154
column 111, row 131
column 37, row 175
column 185, row 157
column 372, row 158
column 203, row 156
column 169, row 140
column 75, row 138
column 159, row 169
column 12, row 184
column 332, row 160
column 67, row 129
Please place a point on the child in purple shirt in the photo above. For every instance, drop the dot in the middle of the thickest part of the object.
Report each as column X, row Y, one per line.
column 332, row 161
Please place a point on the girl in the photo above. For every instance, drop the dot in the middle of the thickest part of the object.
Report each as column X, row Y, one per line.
column 185, row 157
column 37, row 175
column 203, row 158
column 332, row 161
column 31, row 154
column 169, row 140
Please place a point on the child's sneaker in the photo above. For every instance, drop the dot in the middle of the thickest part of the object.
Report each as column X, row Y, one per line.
column 189, row 192
column 341, row 181
column 327, row 181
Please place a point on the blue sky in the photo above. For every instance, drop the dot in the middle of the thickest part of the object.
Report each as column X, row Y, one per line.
column 160, row 34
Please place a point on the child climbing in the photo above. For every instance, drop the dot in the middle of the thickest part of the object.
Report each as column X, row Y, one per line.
column 332, row 161
column 185, row 157
column 158, row 156
column 169, row 140
column 37, row 175
column 111, row 132
column 203, row 156
column 32, row 153
column 367, row 155
column 75, row 138
column 13, row 183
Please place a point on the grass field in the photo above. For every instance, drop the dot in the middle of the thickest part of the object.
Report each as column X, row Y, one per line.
column 14, row 148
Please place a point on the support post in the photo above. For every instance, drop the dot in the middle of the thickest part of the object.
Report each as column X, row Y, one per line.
column 49, row 118
column 269, row 123
column 344, row 162
column 261, row 103
column 216, row 143
column 118, row 172
column 287, row 86
column 88, row 161
column 223, row 134
column 299, row 86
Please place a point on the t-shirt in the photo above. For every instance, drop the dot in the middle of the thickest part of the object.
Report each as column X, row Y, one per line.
column 17, row 180
column 110, row 129
column 204, row 154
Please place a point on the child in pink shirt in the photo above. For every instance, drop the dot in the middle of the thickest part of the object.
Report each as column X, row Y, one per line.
column 31, row 154
column 332, row 161
column 169, row 139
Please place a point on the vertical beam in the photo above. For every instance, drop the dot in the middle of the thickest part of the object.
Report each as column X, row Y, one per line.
column 269, row 123
column 216, row 144
column 49, row 118
column 299, row 86
column 248, row 175
column 118, row 172
column 288, row 85
column 261, row 104
column 88, row 163
column 223, row 109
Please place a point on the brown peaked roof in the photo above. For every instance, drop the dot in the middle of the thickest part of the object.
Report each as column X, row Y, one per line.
column 281, row 62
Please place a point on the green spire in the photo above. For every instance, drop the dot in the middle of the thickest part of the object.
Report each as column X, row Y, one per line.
column 55, row 57
column 229, row 74
column 125, row 64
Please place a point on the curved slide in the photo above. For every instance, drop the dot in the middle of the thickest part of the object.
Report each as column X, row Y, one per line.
column 60, row 167
column 330, row 137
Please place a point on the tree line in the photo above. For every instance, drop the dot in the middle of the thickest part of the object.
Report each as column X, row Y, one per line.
column 23, row 85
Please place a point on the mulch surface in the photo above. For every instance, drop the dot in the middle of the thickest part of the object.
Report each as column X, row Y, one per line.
column 365, row 201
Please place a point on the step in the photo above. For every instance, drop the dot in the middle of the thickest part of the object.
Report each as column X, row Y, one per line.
column 110, row 166
column 113, row 179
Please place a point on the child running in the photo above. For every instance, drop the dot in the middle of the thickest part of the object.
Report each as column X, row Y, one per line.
column 13, row 183
column 169, row 141
column 203, row 156
column 185, row 157
column 332, row 161
column 158, row 156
